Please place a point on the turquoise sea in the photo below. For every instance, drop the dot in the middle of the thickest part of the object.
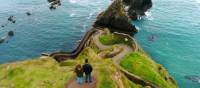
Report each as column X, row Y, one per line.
column 175, row 25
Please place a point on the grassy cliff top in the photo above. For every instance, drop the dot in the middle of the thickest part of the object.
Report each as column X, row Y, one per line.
column 37, row 73
column 140, row 64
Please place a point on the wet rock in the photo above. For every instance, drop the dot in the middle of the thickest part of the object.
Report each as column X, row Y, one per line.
column 52, row 7
column 12, row 19
column 116, row 17
column 10, row 33
column 137, row 8
column 28, row 13
column 193, row 78
column 51, row 1
column 54, row 4
column 1, row 40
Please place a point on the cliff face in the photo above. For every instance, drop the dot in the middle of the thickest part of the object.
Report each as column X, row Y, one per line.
column 116, row 17
column 137, row 7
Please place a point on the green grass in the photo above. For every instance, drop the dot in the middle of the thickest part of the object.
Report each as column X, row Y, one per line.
column 39, row 73
column 143, row 66
column 104, row 70
column 110, row 39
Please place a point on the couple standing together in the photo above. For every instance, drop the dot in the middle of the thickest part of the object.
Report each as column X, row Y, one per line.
column 87, row 69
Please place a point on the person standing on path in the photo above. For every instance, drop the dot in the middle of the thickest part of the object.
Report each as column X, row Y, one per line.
column 79, row 73
column 87, row 69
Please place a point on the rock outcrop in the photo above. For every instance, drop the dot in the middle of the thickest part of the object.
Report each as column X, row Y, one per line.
column 54, row 4
column 137, row 7
column 12, row 19
column 116, row 17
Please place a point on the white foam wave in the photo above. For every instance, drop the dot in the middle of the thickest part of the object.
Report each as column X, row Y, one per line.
column 148, row 15
column 91, row 14
column 137, row 28
column 74, row 1
column 72, row 15
column 198, row 1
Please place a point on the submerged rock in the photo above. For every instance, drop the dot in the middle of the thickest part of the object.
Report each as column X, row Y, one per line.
column 28, row 13
column 1, row 40
column 137, row 8
column 193, row 78
column 10, row 33
column 116, row 17
column 52, row 7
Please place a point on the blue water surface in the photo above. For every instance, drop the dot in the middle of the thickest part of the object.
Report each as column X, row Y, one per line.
column 45, row 30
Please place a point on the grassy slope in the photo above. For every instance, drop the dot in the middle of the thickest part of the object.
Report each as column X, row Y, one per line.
column 38, row 73
column 142, row 65
column 47, row 73
column 110, row 39
column 105, row 71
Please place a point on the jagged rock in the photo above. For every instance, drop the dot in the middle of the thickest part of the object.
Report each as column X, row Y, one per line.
column 137, row 7
column 52, row 7
column 1, row 40
column 116, row 17
column 51, row 1
column 12, row 19
column 10, row 33
column 54, row 4
column 193, row 78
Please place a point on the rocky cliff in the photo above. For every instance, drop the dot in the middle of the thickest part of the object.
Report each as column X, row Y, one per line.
column 116, row 17
column 137, row 7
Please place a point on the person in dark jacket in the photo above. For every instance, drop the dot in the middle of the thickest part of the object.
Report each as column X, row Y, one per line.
column 87, row 69
column 79, row 73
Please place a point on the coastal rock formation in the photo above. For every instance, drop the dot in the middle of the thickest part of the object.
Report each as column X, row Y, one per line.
column 7, row 37
column 137, row 7
column 28, row 13
column 10, row 33
column 115, row 17
column 12, row 19
column 193, row 78
column 54, row 4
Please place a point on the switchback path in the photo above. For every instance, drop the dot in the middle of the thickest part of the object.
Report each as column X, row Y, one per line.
column 117, row 58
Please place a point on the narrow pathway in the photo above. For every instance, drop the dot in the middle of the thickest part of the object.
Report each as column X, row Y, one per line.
column 73, row 84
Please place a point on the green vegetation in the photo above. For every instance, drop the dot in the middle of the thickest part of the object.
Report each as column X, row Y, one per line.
column 107, row 74
column 140, row 64
column 38, row 73
column 110, row 39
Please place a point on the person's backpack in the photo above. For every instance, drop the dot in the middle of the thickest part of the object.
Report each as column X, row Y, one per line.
column 87, row 68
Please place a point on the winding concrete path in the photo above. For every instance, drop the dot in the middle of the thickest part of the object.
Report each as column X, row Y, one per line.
column 61, row 56
column 117, row 58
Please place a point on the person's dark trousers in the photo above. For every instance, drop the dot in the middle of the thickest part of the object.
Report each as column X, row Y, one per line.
column 88, row 78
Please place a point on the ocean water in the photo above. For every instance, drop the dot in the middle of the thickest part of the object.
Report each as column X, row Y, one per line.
column 45, row 30
column 175, row 25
